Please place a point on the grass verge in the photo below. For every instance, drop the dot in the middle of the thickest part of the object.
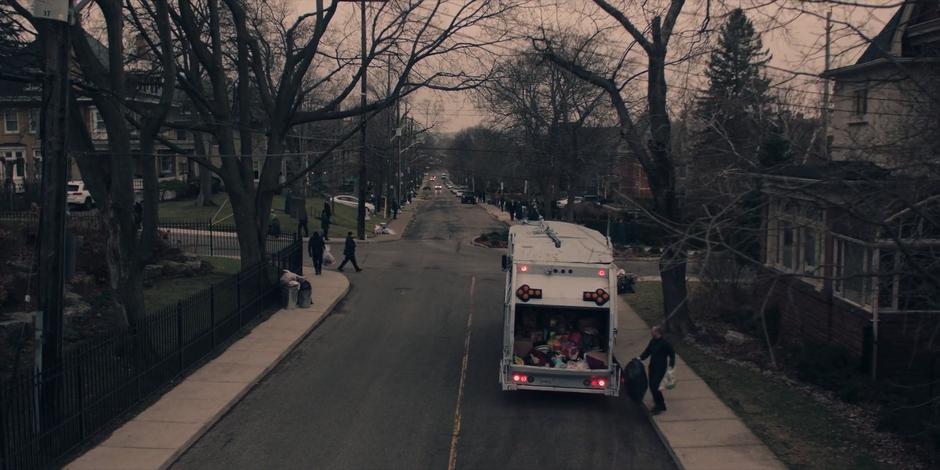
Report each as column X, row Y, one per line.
column 801, row 431
column 165, row 292
column 344, row 218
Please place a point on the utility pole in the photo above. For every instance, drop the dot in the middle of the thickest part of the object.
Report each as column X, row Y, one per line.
column 361, row 215
column 51, row 249
column 825, row 109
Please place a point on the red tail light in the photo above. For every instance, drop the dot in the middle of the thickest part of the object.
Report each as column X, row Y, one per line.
column 521, row 378
column 597, row 382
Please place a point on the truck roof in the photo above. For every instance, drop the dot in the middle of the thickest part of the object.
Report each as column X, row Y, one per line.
column 579, row 244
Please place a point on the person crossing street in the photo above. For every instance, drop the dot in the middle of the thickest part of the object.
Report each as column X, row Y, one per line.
column 349, row 253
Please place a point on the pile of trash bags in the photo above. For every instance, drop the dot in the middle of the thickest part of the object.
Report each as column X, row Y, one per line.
column 561, row 342
column 290, row 280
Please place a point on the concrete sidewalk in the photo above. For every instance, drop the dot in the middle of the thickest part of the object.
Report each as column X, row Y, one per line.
column 398, row 226
column 699, row 430
column 156, row 437
column 498, row 214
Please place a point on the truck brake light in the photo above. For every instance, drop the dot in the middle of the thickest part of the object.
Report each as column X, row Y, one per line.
column 524, row 293
column 600, row 296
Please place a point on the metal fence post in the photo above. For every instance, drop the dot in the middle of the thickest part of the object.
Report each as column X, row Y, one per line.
column 179, row 332
column 212, row 313
column 211, row 237
column 4, row 456
column 238, row 296
column 81, row 401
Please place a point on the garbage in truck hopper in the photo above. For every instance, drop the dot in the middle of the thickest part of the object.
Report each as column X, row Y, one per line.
column 560, row 338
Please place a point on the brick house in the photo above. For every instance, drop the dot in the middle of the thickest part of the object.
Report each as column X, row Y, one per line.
column 20, row 139
column 854, row 243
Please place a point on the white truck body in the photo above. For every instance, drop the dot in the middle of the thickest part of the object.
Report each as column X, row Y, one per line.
column 563, row 263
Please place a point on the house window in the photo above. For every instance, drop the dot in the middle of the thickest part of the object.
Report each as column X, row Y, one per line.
column 33, row 120
column 37, row 164
column 860, row 97
column 852, row 271
column 166, row 165
column 810, row 260
column 180, row 134
column 11, row 123
column 905, row 281
column 97, row 122
column 641, row 182
column 787, row 248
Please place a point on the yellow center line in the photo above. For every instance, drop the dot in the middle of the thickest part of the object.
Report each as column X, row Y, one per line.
column 455, row 435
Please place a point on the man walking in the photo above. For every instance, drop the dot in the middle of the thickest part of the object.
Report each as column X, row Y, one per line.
column 661, row 355
column 326, row 217
column 316, row 246
column 349, row 253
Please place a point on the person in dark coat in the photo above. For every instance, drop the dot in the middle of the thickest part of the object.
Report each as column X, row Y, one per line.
column 326, row 218
column 511, row 207
column 661, row 356
column 316, row 246
column 302, row 221
column 349, row 253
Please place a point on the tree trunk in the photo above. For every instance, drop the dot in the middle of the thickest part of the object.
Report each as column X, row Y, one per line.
column 204, row 198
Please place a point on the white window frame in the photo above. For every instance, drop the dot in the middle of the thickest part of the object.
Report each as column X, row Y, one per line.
column 838, row 287
column 33, row 121
column 6, row 121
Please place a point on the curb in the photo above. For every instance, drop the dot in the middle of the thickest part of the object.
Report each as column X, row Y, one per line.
column 241, row 395
column 662, row 438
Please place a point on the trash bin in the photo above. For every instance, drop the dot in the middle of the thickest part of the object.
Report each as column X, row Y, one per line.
column 304, row 296
column 289, row 296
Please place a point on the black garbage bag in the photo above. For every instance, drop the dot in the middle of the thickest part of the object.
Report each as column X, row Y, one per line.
column 636, row 382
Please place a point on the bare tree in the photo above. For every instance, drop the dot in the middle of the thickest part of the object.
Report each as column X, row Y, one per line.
column 266, row 87
column 654, row 153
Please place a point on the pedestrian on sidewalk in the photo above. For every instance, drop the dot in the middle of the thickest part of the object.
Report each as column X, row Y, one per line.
column 326, row 217
column 394, row 210
column 316, row 246
column 349, row 253
column 661, row 356
column 302, row 221
column 512, row 211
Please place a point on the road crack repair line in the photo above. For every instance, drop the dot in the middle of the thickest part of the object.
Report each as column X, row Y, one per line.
column 455, row 435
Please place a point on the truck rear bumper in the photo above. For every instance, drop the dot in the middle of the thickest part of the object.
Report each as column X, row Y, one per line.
column 549, row 388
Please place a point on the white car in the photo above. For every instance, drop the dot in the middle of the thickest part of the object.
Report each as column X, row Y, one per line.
column 562, row 203
column 353, row 201
column 77, row 195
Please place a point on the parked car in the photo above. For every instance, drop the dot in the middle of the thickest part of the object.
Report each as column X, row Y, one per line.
column 468, row 198
column 562, row 203
column 77, row 195
column 353, row 201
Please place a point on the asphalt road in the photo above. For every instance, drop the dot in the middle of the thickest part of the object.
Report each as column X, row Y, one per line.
column 377, row 385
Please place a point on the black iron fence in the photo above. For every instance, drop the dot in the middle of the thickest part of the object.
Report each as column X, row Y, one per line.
column 46, row 416
column 204, row 238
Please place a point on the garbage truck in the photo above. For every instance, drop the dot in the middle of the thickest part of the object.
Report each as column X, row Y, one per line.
column 559, row 310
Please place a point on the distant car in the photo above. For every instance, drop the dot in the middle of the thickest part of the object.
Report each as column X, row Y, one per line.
column 433, row 178
column 352, row 201
column 438, row 187
column 426, row 188
column 77, row 195
column 468, row 198
column 562, row 203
